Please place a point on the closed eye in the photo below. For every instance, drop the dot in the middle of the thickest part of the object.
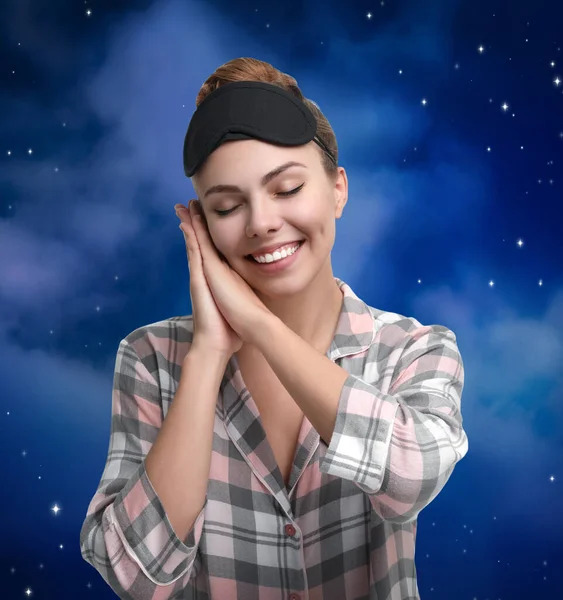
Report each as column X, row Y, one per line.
column 291, row 192
column 223, row 213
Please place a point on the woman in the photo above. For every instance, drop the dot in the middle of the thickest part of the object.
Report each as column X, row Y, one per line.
column 281, row 441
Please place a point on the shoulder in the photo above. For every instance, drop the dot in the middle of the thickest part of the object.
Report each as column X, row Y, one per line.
column 405, row 351
column 394, row 326
column 384, row 335
column 159, row 346
column 167, row 332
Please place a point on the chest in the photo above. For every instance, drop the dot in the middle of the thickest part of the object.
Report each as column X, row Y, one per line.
column 281, row 417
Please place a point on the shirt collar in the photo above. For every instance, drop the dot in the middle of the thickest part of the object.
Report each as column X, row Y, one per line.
column 355, row 328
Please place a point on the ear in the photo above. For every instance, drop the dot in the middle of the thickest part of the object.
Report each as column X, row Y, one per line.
column 340, row 192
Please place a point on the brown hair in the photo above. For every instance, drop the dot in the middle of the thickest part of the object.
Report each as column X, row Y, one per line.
column 252, row 69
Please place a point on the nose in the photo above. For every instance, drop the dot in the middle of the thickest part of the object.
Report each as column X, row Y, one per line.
column 262, row 218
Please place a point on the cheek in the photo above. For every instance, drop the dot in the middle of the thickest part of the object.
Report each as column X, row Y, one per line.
column 223, row 242
column 317, row 221
column 328, row 227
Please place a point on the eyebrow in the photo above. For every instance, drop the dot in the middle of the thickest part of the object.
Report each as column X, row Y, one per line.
column 217, row 189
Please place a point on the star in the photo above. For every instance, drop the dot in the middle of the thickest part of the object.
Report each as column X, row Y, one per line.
column 56, row 509
column 557, row 81
column 481, row 49
column 552, row 478
column 504, row 107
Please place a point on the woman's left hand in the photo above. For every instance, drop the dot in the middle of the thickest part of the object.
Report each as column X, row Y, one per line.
column 236, row 300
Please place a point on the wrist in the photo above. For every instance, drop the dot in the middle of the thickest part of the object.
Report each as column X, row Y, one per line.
column 259, row 333
column 201, row 352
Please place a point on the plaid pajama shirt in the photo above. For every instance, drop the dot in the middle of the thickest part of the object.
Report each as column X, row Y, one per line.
column 345, row 526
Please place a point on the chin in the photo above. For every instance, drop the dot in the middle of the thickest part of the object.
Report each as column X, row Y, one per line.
column 278, row 287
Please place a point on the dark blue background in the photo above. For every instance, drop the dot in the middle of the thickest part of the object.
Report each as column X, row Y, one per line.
column 454, row 217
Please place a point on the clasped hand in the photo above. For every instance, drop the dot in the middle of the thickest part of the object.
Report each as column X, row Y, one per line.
column 235, row 299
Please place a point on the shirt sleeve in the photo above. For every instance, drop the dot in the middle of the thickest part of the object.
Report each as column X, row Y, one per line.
column 399, row 440
column 127, row 536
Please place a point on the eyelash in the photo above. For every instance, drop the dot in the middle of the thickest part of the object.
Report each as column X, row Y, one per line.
column 224, row 213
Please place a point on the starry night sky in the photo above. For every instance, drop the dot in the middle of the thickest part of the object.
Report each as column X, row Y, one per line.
column 449, row 119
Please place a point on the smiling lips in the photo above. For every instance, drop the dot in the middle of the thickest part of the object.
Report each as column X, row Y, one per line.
column 278, row 262
column 278, row 253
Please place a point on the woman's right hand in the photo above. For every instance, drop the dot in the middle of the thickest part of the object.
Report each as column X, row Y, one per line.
column 211, row 330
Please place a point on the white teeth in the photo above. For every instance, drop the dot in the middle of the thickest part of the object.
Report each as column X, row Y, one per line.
column 277, row 255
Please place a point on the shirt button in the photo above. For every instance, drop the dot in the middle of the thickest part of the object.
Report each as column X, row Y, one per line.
column 290, row 531
column 294, row 597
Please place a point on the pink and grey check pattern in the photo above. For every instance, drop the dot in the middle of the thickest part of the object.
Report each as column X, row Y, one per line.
column 352, row 507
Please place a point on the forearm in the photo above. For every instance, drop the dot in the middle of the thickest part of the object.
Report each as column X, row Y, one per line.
column 399, row 439
column 179, row 460
column 311, row 379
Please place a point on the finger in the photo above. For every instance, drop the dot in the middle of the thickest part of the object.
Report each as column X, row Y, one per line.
column 188, row 228
column 183, row 213
column 191, row 244
column 195, row 263
column 184, row 206
column 199, row 227
column 189, row 254
column 188, row 239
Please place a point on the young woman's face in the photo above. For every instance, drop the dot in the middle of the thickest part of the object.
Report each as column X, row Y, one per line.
column 300, row 203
